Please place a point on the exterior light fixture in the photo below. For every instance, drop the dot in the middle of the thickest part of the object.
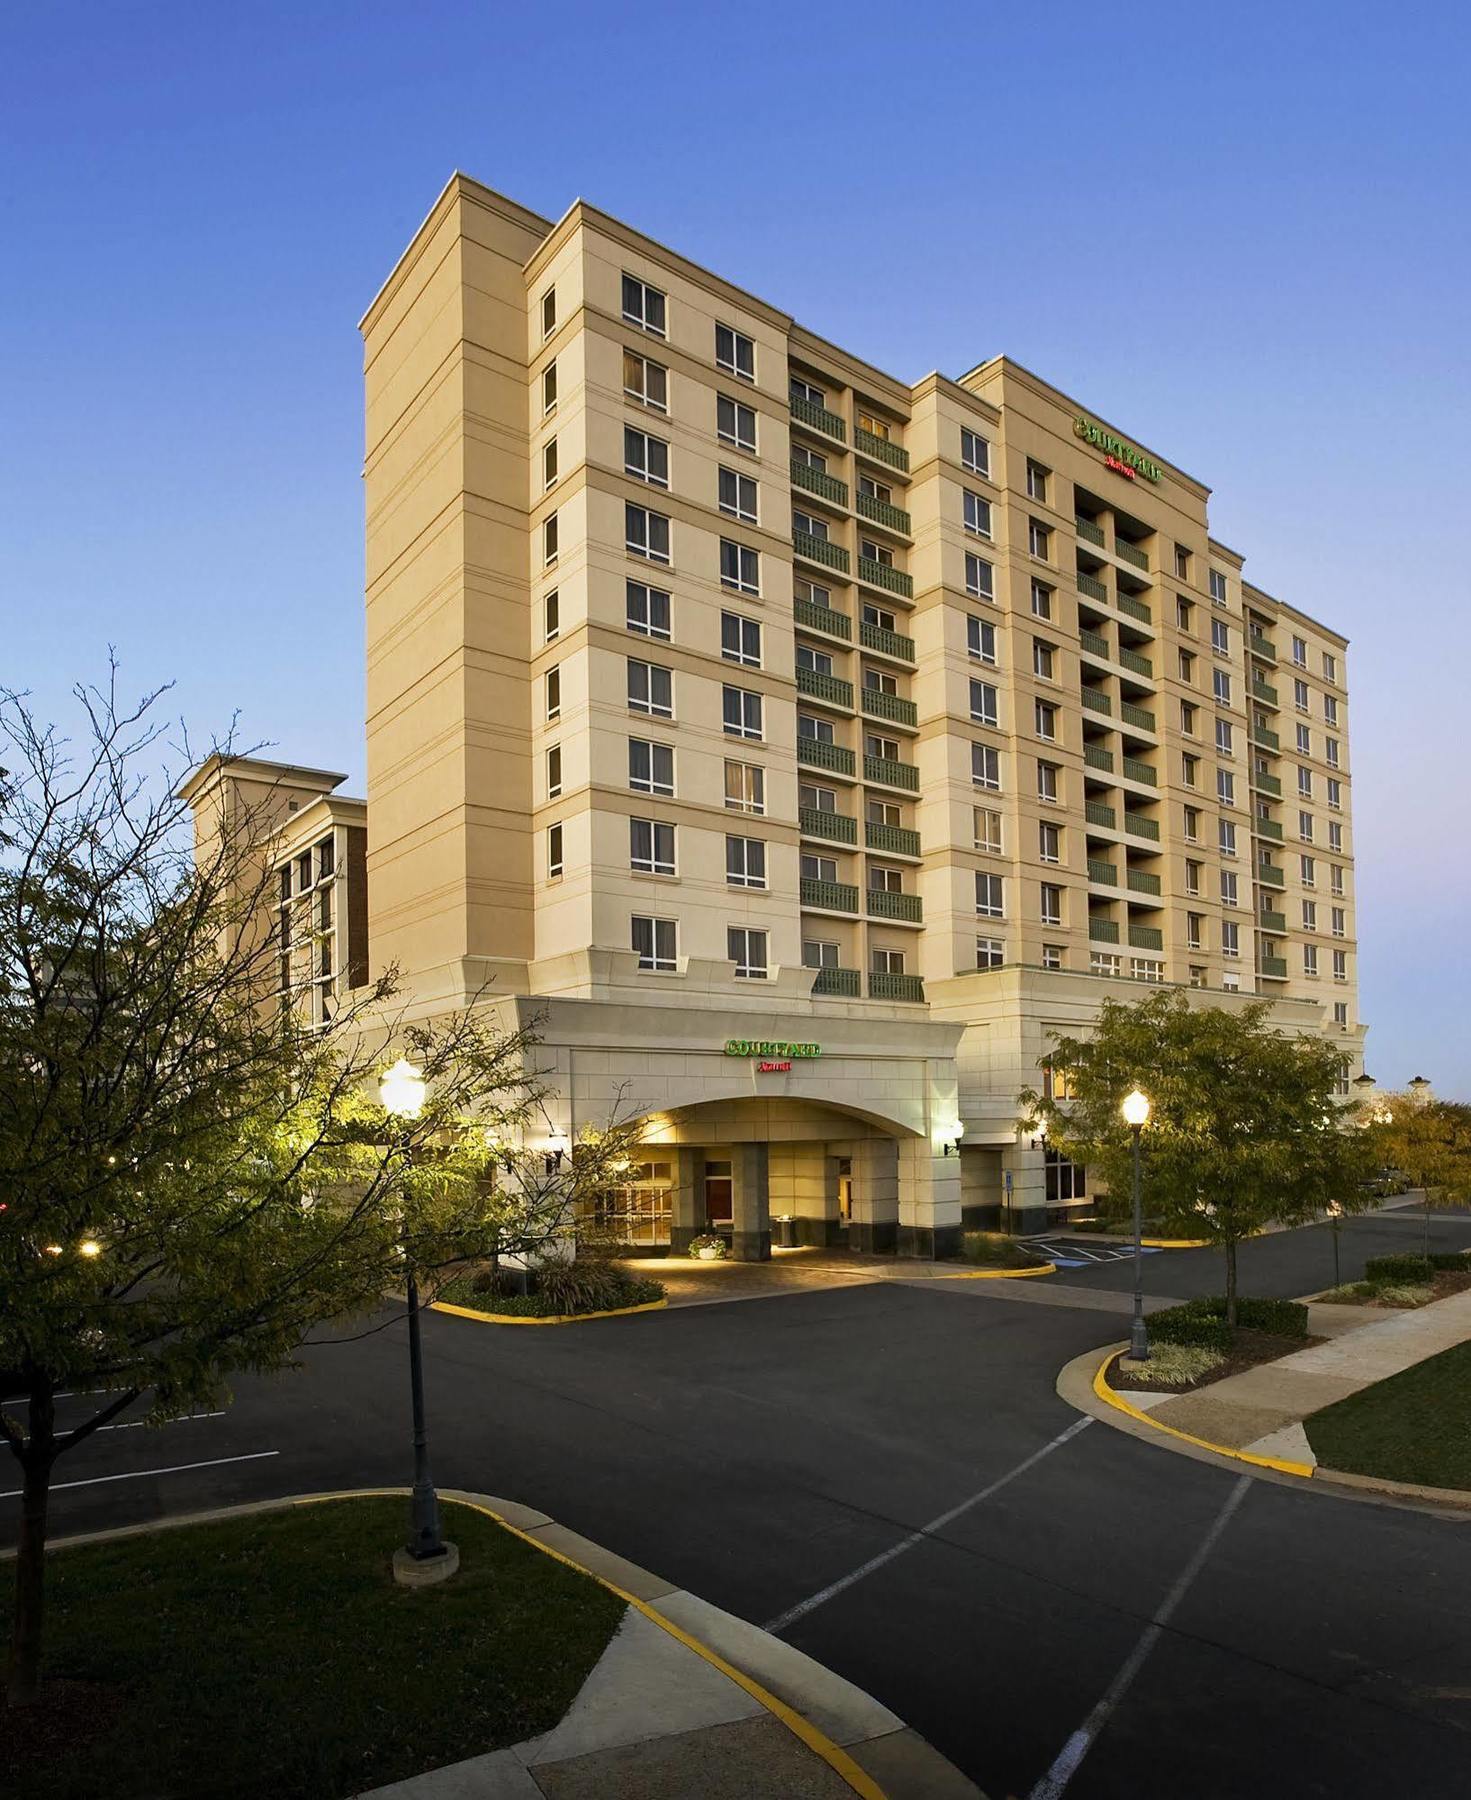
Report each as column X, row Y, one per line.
column 90, row 1247
column 1135, row 1108
column 950, row 1136
column 402, row 1089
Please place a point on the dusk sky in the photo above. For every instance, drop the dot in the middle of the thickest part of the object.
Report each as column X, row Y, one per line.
column 1239, row 234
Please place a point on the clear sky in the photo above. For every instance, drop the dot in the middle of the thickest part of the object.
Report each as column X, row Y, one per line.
column 1239, row 233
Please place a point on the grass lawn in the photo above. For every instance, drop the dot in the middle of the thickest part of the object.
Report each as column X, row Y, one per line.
column 1416, row 1426
column 273, row 1656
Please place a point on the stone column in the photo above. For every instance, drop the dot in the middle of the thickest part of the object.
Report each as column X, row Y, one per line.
column 875, row 1223
column 750, row 1205
column 980, row 1187
column 929, row 1200
column 689, row 1199
column 1027, row 1211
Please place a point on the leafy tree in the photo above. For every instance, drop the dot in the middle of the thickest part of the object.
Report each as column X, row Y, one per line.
column 1427, row 1140
column 1244, row 1127
column 190, row 1180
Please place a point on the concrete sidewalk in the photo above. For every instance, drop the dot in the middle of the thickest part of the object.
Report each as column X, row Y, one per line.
column 1262, row 1410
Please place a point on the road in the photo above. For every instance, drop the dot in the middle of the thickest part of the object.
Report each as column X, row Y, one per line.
column 1020, row 1563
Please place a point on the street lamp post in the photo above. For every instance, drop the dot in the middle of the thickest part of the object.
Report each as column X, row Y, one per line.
column 1136, row 1116
column 426, row 1558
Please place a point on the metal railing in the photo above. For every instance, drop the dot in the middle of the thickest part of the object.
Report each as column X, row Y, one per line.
column 883, row 904
column 1097, row 813
column 1096, row 700
column 822, row 618
column 1143, row 883
column 817, row 753
column 1140, row 771
column 1097, row 757
column 1141, row 665
column 1130, row 554
column 831, row 689
column 1088, row 531
column 882, row 449
column 831, row 896
column 1089, row 584
column 893, row 774
column 884, row 575
column 1103, row 931
column 836, row 827
column 892, row 840
column 1146, row 937
column 1105, row 873
column 847, row 982
column 821, row 550
column 892, row 518
column 1136, row 715
column 819, row 482
column 880, row 705
column 819, row 418
column 887, row 643
column 1136, row 609
column 1139, row 826
column 882, row 986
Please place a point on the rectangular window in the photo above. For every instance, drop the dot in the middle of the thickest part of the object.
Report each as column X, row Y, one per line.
column 646, row 610
column 1229, row 888
column 650, row 847
column 548, row 313
column 987, row 830
column 654, row 940
column 1225, row 787
column 980, row 638
column 1194, row 924
column 554, row 850
column 1049, row 841
column 1340, row 965
column 1182, row 563
column 798, row 389
column 1041, row 600
column 1305, row 782
column 819, row 731
column 977, row 514
column 1052, row 956
column 817, row 868
column 990, row 896
column 645, row 458
column 988, row 953
column 1335, row 880
column 1228, row 837
column 644, row 306
column 1225, row 739
column 740, row 567
column 1221, row 686
column 645, row 533
column 810, row 527
column 1330, row 752
column 975, row 452
column 738, row 495
column 980, row 577
column 1103, row 962
column 1230, row 938
column 985, row 767
column 1310, row 915
column 1310, row 960
column 554, row 772
column 1190, row 770
column 1193, row 872
column 747, row 950
column 1308, row 869
column 549, row 389
column 1300, row 652
column 818, row 953
column 1300, row 696
column 1220, row 637
column 1304, row 740
column 1192, row 824
column 1187, row 666
column 1335, row 794
column 740, row 639
column 741, row 711
column 554, row 693
column 735, row 423
column 1305, row 827
column 650, row 767
column 886, row 962
column 1044, row 659
column 1037, row 481
column 650, row 689
column 1218, row 587
column 551, row 617
column 745, row 787
column 1039, row 539
column 1187, row 718
column 869, row 551
column 1335, row 835
column 1048, row 775
column 745, row 862
column 646, row 382
column 818, row 661
column 1185, row 615
column 983, row 703
column 1051, row 901
column 549, row 465
column 735, row 352
column 549, row 541
column 1046, row 720
column 1330, row 667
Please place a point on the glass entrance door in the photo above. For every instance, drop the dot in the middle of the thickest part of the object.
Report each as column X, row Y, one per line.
column 845, row 1190
column 719, row 1194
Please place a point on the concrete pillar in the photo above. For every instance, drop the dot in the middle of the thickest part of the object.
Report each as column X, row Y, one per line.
column 689, row 1199
column 980, row 1187
column 929, row 1199
column 875, row 1223
column 1025, row 1209
column 802, row 1183
column 751, row 1205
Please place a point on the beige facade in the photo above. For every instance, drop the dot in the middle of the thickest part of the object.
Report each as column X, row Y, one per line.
column 724, row 688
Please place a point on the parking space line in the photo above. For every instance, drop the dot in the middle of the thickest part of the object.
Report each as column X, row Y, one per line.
column 813, row 1601
column 1078, row 1745
column 183, row 1419
column 214, row 1462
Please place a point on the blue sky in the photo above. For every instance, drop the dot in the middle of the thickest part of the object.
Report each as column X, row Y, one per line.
column 1239, row 233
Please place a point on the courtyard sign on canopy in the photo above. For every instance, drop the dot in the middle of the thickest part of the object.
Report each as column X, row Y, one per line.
column 1118, row 455
column 763, row 1047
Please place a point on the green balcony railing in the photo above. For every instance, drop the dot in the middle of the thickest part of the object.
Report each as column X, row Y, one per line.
column 847, row 982
column 884, row 986
column 1088, row 531
column 891, row 840
column 836, row 827
column 1094, row 642
column 885, row 642
column 1089, row 584
column 1271, row 875
column 882, row 449
column 1266, row 784
column 1274, row 967
column 1266, row 737
column 892, row 518
column 879, row 705
column 1141, row 665
column 1097, row 813
column 1140, row 771
column 1263, row 691
column 893, row 774
column 1097, row 757
column 1267, row 828
column 819, row 482
column 1272, row 921
column 1106, row 873
column 821, row 550
column 817, row 753
column 1139, row 826
column 822, row 618
column 1143, row 883
column 831, row 896
column 1262, row 647
column 1103, row 931
column 819, row 418
column 1130, row 554
column 885, row 575
column 1146, row 937
column 1136, row 609
column 1096, row 700
column 883, row 904
column 830, row 689
column 1136, row 715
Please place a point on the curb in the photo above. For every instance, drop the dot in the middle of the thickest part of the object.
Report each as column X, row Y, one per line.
column 485, row 1318
column 1002, row 1274
column 1111, row 1397
column 1175, row 1243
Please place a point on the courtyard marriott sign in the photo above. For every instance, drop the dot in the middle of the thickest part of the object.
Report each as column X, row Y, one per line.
column 1121, row 457
column 762, row 1047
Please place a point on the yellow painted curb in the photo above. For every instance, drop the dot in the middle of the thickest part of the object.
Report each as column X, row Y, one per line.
column 1112, row 1397
column 1004, row 1274
column 485, row 1318
column 1174, row 1243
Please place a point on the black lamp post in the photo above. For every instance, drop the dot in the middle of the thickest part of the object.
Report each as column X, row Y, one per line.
column 1135, row 1109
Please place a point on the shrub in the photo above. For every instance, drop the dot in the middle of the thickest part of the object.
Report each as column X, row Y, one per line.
column 1392, row 1293
column 583, row 1285
column 709, row 1247
column 1459, row 1260
column 1348, row 1293
column 1399, row 1268
column 994, row 1251
column 1171, row 1365
column 1188, row 1325
column 1203, row 1321
column 541, row 1306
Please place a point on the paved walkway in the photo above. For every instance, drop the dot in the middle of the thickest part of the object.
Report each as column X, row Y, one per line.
column 1263, row 1409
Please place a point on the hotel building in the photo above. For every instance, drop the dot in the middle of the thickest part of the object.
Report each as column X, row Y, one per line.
column 801, row 747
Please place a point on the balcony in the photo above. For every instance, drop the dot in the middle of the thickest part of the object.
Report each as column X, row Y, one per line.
column 817, row 753
column 1096, row 700
column 1088, row 531
column 1090, row 585
column 1273, row 967
column 1139, row 826
column 1146, row 937
column 831, row 690
column 892, row 518
column 1136, row 609
column 829, row 896
column 1272, row 921
column 1130, row 554
column 1262, row 647
column 835, row 827
column 882, row 904
column 1104, row 873
column 1097, row 813
column 895, row 987
column 1141, row 665
column 822, row 618
column 1263, row 691
column 1136, row 715
column 886, row 643
column 1266, row 737
column 1103, row 931
column 1140, row 771
column 820, row 550
column 881, row 449
column 1094, row 642
column 1266, row 784
column 892, row 774
column 1267, row 828
column 1096, row 757
column 846, row 982
column 807, row 412
column 1142, row 883
column 1271, row 875
column 883, row 575
column 879, row 705
column 891, row 840
column 817, row 481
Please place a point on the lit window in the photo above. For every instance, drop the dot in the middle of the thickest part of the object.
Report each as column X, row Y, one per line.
column 646, row 382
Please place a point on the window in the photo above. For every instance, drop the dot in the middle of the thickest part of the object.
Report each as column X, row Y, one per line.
column 549, row 541
column 818, row 868
column 987, row 829
column 1330, row 667
column 885, row 881
column 1045, row 715
column 1310, row 915
column 646, row 533
column 980, row 638
column 1197, row 976
column 735, row 423
column 804, row 391
column 1192, row 824
column 1185, row 615
column 650, row 767
column 1335, row 880
column 983, row 702
column 740, row 639
column 875, row 426
column 1051, row 903
column 1340, row 965
column 1305, row 782
column 886, row 962
column 1049, row 841
column 1039, row 539
column 1037, row 481
column 884, row 748
column 1047, row 780
column 745, row 862
column 741, row 711
column 1190, row 770
column 1194, row 925
column 878, row 681
column 554, row 693
column 1221, row 686
column 740, row 567
column 818, row 661
column 554, row 772
column 735, row 352
column 1218, row 587
column 549, row 389
column 811, row 593
column 1224, row 738
column 654, row 941
column 549, row 465
column 646, row 458
column 1330, row 752
column 1300, row 652
column 819, row 730
column 1228, row 837
column 1310, row 960
column 650, row 847
column 1305, row 827
column 975, row 452
column 1220, row 637
column 1103, row 962
column 1330, row 710
column 747, row 950
column 980, row 577
column 1187, row 718
column 745, row 787
column 812, row 798
column 551, row 620
column 810, row 527
column 869, row 551
column 977, row 514
column 1187, row 666
column 643, row 305
column 802, row 454
column 985, row 767
column 646, row 610
column 738, row 495
column 1144, row 968
column 1229, row 888
column 989, row 953
column 554, row 850
column 1335, row 835
column 1340, row 1013
column 1193, row 872
column 1335, row 794
column 1300, row 695
column 1308, row 869
column 646, row 382
column 1225, row 787
column 650, row 689
column 1041, row 600
column 875, row 490
column 1182, row 563
column 817, row 953
column 1044, row 659
column 990, row 896
column 1230, row 938
column 548, row 313
column 1304, row 740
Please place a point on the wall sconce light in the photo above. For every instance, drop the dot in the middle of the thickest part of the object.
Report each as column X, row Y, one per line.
column 950, row 1136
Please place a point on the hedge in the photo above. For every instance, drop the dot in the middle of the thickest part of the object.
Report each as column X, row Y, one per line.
column 1402, row 1268
column 1203, row 1321
column 1451, row 1259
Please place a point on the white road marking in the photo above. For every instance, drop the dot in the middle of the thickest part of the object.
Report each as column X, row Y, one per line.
column 184, row 1419
column 813, row 1601
column 1078, row 1745
column 138, row 1474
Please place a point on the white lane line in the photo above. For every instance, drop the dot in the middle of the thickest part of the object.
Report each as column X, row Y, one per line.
column 138, row 1474
column 1078, row 1745
column 183, row 1419
column 813, row 1601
